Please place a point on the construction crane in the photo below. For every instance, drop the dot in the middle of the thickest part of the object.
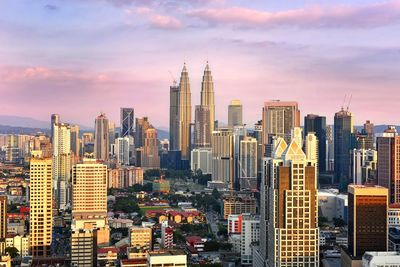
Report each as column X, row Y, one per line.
column 348, row 104
column 344, row 100
column 174, row 82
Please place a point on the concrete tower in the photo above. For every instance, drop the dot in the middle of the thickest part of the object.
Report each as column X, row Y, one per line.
column 207, row 95
column 185, row 113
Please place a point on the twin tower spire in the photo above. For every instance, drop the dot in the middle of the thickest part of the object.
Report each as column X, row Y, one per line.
column 181, row 113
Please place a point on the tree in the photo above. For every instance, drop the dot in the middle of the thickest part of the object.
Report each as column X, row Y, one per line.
column 12, row 251
column 322, row 221
column 211, row 246
column 216, row 194
column 126, row 205
column 338, row 222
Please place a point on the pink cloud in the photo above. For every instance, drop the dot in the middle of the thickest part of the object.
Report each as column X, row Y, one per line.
column 165, row 22
column 352, row 16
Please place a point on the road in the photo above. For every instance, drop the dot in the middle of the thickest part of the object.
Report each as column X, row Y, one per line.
column 213, row 224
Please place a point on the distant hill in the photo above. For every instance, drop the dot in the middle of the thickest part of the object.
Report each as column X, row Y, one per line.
column 23, row 122
column 6, row 129
column 379, row 128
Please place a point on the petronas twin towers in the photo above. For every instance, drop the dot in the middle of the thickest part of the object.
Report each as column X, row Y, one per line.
column 181, row 114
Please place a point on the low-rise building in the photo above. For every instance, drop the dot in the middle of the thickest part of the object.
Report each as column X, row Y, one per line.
column 195, row 243
column 381, row 259
column 19, row 242
column 167, row 258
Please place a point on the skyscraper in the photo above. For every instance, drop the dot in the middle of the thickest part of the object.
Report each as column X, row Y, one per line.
column 127, row 122
column 75, row 143
column 40, row 197
column 62, row 164
column 84, row 248
column 122, row 150
column 344, row 129
column 317, row 124
column 289, row 207
column 185, row 114
column 174, row 99
column 142, row 124
column 279, row 118
column 55, row 118
column 235, row 113
column 222, row 144
column 3, row 223
column 202, row 137
column 368, row 226
column 207, row 97
column 388, row 147
column 248, row 164
column 101, row 137
column 311, row 148
column 150, row 149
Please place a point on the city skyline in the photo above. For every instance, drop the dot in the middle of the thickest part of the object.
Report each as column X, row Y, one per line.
column 109, row 52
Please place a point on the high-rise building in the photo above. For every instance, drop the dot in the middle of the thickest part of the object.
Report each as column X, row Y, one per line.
column 112, row 133
column 3, row 223
column 124, row 177
column 311, row 148
column 201, row 159
column 75, row 141
column 317, row 124
column 102, row 138
column 40, row 198
column 363, row 166
column 141, row 239
column 142, row 124
column 207, row 98
column 367, row 234
column 222, row 144
column 89, row 198
column 238, row 205
column 331, row 148
column 235, row 113
column 122, row 150
column 127, row 120
column 174, row 99
column 239, row 133
column 344, row 129
column 249, row 237
column 248, row 164
column 388, row 146
column 202, row 136
column 289, row 207
column 62, row 164
column 167, row 235
column 185, row 114
column 84, row 248
column 150, row 149
column 55, row 119
column 279, row 118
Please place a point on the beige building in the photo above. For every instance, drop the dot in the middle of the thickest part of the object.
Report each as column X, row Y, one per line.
column 89, row 198
column 101, row 138
column 235, row 113
column 239, row 205
column 150, row 149
column 185, row 114
column 84, row 248
column 248, row 163
column 222, row 144
column 3, row 223
column 141, row 239
column 124, row 177
column 289, row 207
column 167, row 258
column 19, row 242
column 202, row 134
column 41, row 197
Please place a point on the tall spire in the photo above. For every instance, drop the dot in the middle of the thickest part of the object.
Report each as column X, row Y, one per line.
column 207, row 95
column 185, row 113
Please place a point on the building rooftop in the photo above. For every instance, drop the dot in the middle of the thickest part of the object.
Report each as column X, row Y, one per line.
column 167, row 253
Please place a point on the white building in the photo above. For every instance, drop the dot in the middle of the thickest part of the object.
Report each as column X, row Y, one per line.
column 248, row 163
column 250, row 235
column 363, row 165
column 332, row 204
column 122, row 150
column 381, row 259
column 201, row 159
column 19, row 242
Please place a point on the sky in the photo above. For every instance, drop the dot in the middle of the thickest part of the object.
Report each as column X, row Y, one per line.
column 82, row 57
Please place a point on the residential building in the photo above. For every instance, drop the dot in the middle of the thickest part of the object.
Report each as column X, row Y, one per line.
column 250, row 236
column 222, row 144
column 239, row 205
column 141, row 241
column 84, row 248
column 201, row 159
column 248, row 164
column 102, row 138
column 124, row 176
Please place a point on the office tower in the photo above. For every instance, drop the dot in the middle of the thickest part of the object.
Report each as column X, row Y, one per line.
column 289, row 227
column 311, row 148
column 331, row 148
column 201, row 159
column 343, row 124
column 235, row 113
column 202, row 136
column 167, row 235
column 174, row 98
column 258, row 134
column 122, row 150
column 238, row 205
column 75, row 143
column 84, row 248
column 279, row 118
column 317, row 124
column 249, row 236
column 142, row 124
column 388, row 146
column 369, row 131
column 13, row 150
column 3, row 223
column 89, row 198
column 101, row 138
column 207, row 97
column 55, row 119
column 367, row 226
column 363, row 166
column 40, row 198
column 150, row 149
column 185, row 114
column 239, row 133
column 62, row 164
column 248, row 164
column 127, row 122
column 112, row 132
column 141, row 240
column 222, row 145
column 164, row 258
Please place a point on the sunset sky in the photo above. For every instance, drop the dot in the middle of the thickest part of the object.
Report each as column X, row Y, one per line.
column 80, row 57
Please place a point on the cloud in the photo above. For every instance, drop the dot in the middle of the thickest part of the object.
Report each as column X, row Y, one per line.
column 51, row 7
column 157, row 20
column 343, row 16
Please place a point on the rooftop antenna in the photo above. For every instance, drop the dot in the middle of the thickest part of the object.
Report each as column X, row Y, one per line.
column 348, row 104
column 174, row 82
column 344, row 100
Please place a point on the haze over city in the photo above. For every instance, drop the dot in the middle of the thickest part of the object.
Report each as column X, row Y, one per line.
column 78, row 58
